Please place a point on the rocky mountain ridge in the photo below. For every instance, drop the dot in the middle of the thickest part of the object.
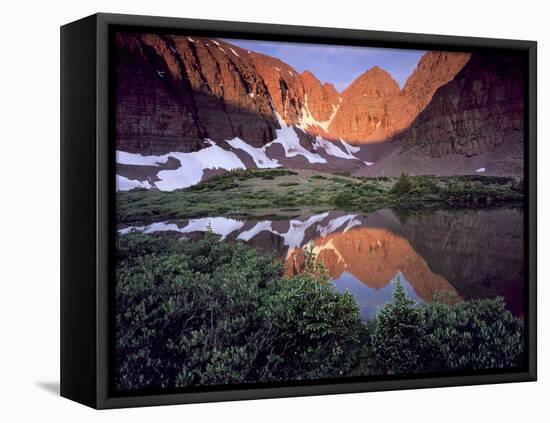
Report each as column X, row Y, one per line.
column 189, row 107
column 481, row 109
column 174, row 92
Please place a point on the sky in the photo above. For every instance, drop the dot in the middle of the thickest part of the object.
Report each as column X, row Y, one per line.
column 339, row 65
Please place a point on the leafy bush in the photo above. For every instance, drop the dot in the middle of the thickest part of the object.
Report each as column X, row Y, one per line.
column 339, row 180
column 403, row 185
column 479, row 334
column 397, row 341
column 343, row 199
column 205, row 312
column 210, row 312
column 476, row 334
column 424, row 185
column 230, row 179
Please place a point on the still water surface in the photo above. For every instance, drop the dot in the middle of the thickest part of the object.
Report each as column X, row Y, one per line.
column 470, row 253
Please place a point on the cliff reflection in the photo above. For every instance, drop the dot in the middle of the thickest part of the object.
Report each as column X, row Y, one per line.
column 469, row 253
column 373, row 256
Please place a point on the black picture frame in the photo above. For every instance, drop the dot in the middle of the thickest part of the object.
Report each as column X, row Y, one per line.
column 87, row 203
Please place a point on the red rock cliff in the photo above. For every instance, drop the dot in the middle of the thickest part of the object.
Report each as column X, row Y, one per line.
column 365, row 104
column 479, row 110
column 174, row 91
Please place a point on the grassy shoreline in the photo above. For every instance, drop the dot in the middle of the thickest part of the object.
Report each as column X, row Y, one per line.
column 284, row 193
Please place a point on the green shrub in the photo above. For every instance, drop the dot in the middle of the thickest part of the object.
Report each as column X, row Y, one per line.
column 476, row 334
column 230, row 179
column 397, row 341
column 403, row 185
column 209, row 312
column 343, row 199
column 285, row 200
column 339, row 180
column 206, row 313
column 479, row 334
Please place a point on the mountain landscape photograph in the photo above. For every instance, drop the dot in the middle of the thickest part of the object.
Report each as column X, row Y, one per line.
column 310, row 212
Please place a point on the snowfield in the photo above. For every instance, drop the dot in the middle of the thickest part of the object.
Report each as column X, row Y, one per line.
column 349, row 148
column 332, row 149
column 125, row 184
column 193, row 165
column 288, row 139
column 307, row 120
column 258, row 154
column 139, row 160
column 189, row 173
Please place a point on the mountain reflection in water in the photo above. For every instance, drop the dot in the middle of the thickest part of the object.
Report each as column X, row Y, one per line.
column 470, row 253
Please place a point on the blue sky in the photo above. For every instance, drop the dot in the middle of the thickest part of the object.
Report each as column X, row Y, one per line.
column 337, row 64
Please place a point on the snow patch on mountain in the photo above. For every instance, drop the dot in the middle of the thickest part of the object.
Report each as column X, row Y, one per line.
column 258, row 154
column 288, row 139
column 332, row 149
column 193, row 165
column 137, row 159
column 191, row 170
column 307, row 120
column 349, row 148
column 125, row 184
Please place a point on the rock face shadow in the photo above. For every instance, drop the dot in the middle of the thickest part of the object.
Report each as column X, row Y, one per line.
column 51, row 387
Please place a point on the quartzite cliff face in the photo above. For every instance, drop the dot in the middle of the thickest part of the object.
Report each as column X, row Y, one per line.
column 374, row 109
column 477, row 112
column 365, row 105
column 434, row 70
column 174, row 92
column 179, row 94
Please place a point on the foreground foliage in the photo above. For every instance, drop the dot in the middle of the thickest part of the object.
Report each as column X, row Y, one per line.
column 467, row 335
column 210, row 312
column 206, row 312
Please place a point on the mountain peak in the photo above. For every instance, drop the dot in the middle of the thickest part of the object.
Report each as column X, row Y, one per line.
column 308, row 75
column 376, row 82
column 377, row 68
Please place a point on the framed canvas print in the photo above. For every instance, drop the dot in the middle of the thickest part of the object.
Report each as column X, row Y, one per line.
column 254, row 211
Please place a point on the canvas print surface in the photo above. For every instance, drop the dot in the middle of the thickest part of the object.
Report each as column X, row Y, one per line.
column 296, row 212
